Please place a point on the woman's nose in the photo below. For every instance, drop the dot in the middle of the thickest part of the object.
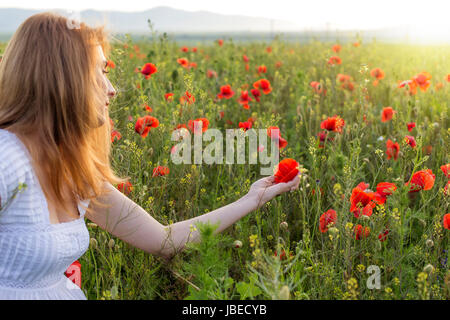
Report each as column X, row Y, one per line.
column 111, row 91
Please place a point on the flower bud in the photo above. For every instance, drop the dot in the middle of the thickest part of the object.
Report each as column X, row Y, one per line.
column 237, row 244
column 111, row 243
column 429, row 243
column 428, row 268
column 93, row 243
column 284, row 225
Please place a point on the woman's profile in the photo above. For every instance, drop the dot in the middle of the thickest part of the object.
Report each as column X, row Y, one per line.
column 55, row 163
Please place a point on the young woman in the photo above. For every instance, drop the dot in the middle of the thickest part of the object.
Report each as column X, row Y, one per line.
column 55, row 139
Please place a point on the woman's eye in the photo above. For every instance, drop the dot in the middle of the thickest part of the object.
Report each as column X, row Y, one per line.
column 105, row 71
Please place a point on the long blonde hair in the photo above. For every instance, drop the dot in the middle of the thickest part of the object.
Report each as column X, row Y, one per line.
column 48, row 89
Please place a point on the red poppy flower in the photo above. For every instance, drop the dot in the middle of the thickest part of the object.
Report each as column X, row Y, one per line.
column 327, row 218
column 111, row 64
column 336, row 48
column 335, row 124
column 256, row 93
column 245, row 99
column 221, row 114
column 144, row 124
column 286, row 170
column 264, row 85
column 363, row 200
column 211, row 74
column 160, row 171
column 148, row 69
column 410, row 126
column 278, row 64
column 188, row 97
column 361, row 232
column 220, row 42
column 283, row 255
column 446, row 221
column 168, row 96
column 383, row 236
column 422, row 80
column 193, row 65
column 183, row 62
column 447, row 77
column 421, row 180
column 323, row 138
column 387, row 114
column 384, row 189
column 282, row 143
column 392, row 149
column 185, row 49
column 356, row 44
column 269, row 49
column 148, row 108
column 377, row 73
column 245, row 125
column 446, row 170
column 115, row 135
column 334, row 60
column 411, row 84
column 73, row 272
column 262, row 69
column 317, row 86
column 411, row 141
column 125, row 188
column 194, row 49
column 245, row 58
column 204, row 122
column 225, row 92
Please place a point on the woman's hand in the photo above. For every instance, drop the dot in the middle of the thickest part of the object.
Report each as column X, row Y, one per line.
column 266, row 189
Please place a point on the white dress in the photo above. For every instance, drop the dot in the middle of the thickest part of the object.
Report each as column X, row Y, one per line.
column 34, row 254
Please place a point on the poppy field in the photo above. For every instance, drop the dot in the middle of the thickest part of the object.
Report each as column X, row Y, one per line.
column 368, row 125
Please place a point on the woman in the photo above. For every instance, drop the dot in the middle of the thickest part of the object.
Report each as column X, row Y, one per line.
column 54, row 163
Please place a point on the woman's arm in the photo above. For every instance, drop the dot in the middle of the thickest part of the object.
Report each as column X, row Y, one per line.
column 128, row 221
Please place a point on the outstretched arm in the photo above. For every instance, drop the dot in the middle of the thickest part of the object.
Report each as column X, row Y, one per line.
column 131, row 223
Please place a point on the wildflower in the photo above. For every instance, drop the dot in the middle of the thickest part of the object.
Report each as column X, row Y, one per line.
column 160, row 171
column 356, row 44
column 317, row 86
column 125, row 188
column 115, row 135
column 262, row 69
column 245, row 99
column 211, row 74
column 264, row 85
column 334, row 60
column 421, row 180
column 326, row 220
column 361, row 232
column 411, row 141
column 446, row 170
column 284, row 225
column 144, row 124
column 336, row 48
column 256, row 94
column 411, row 84
column 335, row 124
column 183, row 62
column 422, row 80
column 387, row 114
column 188, row 97
column 384, row 189
column 363, row 200
column 245, row 58
column 281, row 142
column 148, row 69
column 392, row 149
column 111, row 64
column 446, row 221
column 383, row 236
column 428, row 268
column 378, row 74
column 220, row 42
column 225, row 92
column 286, row 170
column 185, row 49
column 245, row 125
column 168, row 96
column 204, row 122
column 410, row 126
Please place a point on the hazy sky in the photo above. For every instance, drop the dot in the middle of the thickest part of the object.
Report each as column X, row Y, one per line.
column 361, row 14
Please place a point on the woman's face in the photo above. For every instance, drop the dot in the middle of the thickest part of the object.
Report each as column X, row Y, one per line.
column 105, row 84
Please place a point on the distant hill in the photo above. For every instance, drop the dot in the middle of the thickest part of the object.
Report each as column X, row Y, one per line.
column 164, row 19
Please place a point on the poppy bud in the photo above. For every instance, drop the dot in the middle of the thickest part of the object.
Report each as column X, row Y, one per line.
column 150, row 152
column 428, row 268
column 111, row 243
column 429, row 243
column 284, row 293
column 284, row 225
column 93, row 243
column 237, row 244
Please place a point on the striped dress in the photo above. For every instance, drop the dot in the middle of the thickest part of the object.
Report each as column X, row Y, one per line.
column 34, row 254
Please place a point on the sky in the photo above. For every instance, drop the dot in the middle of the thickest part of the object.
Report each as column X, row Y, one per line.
column 425, row 16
